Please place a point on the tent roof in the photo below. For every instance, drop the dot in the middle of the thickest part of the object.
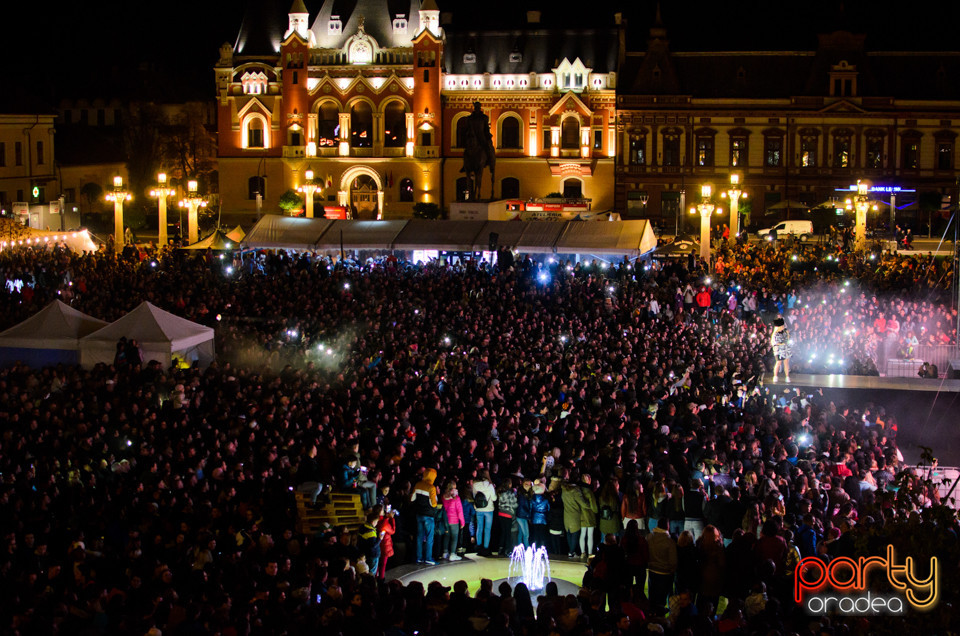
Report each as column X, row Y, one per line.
column 361, row 235
column 56, row 326
column 612, row 237
column 422, row 234
column 540, row 237
column 236, row 234
column 155, row 327
column 216, row 241
column 286, row 232
column 508, row 234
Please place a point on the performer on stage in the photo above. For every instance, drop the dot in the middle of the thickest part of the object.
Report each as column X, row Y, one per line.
column 780, row 341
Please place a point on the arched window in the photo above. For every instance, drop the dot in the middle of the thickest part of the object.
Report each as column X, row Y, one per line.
column 406, row 190
column 328, row 125
column 510, row 133
column 570, row 133
column 572, row 189
column 255, row 137
column 461, row 132
column 255, row 186
column 510, row 188
column 394, row 125
column 361, row 125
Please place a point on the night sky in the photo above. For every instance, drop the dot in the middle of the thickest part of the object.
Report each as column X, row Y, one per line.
column 90, row 48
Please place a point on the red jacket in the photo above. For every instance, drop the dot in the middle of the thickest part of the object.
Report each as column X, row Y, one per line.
column 703, row 299
column 388, row 526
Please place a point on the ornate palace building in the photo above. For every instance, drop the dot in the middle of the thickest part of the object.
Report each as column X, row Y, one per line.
column 367, row 94
column 797, row 125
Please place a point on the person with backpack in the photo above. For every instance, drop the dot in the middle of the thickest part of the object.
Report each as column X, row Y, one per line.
column 424, row 500
column 609, row 503
column 484, row 498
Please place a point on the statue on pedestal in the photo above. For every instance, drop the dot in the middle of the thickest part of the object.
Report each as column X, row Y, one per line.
column 478, row 152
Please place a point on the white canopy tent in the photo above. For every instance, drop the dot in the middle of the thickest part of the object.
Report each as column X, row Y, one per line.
column 421, row 234
column 286, row 232
column 161, row 335
column 49, row 337
column 361, row 235
column 630, row 238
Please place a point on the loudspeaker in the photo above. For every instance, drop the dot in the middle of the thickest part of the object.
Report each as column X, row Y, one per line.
column 953, row 370
column 494, row 240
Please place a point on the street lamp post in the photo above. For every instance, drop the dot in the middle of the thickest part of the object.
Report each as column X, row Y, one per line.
column 160, row 193
column 307, row 189
column 734, row 194
column 193, row 202
column 861, row 203
column 706, row 208
column 118, row 196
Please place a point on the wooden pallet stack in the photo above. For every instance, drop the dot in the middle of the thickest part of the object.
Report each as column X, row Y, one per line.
column 339, row 509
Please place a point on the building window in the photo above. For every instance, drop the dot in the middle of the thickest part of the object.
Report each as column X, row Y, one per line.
column 911, row 154
column 101, row 117
column 426, row 59
column 3, row 154
column 705, row 151
column 738, row 152
column 510, row 133
column 361, row 125
column 84, row 116
column 808, row 152
column 841, row 152
column 255, row 133
column 255, row 186
column 773, row 151
column 17, row 153
column 70, row 195
column 944, row 155
column 67, row 116
column 598, row 139
column 19, row 195
column 328, row 125
column 547, row 137
column 516, row 57
column 117, row 117
column 400, row 24
column 394, row 125
column 469, row 58
column 406, row 191
column 335, row 26
column 40, row 158
column 510, row 188
column 570, row 133
column 671, row 150
column 874, row 152
column 638, row 150
column 572, row 189
column 296, row 139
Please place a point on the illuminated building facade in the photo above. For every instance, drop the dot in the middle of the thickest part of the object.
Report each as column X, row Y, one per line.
column 368, row 95
column 797, row 125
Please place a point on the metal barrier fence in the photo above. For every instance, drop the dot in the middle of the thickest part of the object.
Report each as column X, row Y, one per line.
column 944, row 477
column 939, row 355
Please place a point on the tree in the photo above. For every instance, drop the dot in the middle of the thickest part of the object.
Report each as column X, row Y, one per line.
column 745, row 208
column 290, row 201
column 141, row 138
column 188, row 148
column 423, row 210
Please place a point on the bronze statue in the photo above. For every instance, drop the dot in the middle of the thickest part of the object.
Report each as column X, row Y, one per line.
column 478, row 152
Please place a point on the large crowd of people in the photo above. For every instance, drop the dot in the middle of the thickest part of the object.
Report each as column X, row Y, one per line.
column 593, row 408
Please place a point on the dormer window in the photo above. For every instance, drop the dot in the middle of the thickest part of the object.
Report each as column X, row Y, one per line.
column 571, row 76
column 335, row 26
column 469, row 58
column 254, row 83
column 400, row 24
column 843, row 80
column 516, row 57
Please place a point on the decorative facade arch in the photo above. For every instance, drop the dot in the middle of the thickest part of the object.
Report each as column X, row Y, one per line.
column 455, row 141
column 250, row 124
column 352, row 173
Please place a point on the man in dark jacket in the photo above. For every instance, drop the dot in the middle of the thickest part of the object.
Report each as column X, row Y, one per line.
column 424, row 500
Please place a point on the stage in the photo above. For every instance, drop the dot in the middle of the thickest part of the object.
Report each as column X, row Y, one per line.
column 864, row 382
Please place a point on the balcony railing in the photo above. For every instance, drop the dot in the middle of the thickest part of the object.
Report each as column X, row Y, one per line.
column 426, row 152
column 294, row 152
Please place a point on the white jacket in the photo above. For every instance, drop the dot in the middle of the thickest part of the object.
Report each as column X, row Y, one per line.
column 488, row 491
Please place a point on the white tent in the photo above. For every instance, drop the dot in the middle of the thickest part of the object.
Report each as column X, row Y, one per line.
column 630, row 238
column 49, row 337
column 285, row 232
column 160, row 334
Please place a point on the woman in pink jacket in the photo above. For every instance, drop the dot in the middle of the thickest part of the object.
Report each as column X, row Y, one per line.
column 454, row 510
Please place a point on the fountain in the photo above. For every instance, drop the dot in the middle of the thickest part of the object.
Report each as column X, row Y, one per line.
column 530, row 566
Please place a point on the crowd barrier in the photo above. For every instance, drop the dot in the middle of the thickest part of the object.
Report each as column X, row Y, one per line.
column 894, row 366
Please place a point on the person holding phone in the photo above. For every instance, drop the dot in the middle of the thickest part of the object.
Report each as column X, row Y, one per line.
column 386, row 528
